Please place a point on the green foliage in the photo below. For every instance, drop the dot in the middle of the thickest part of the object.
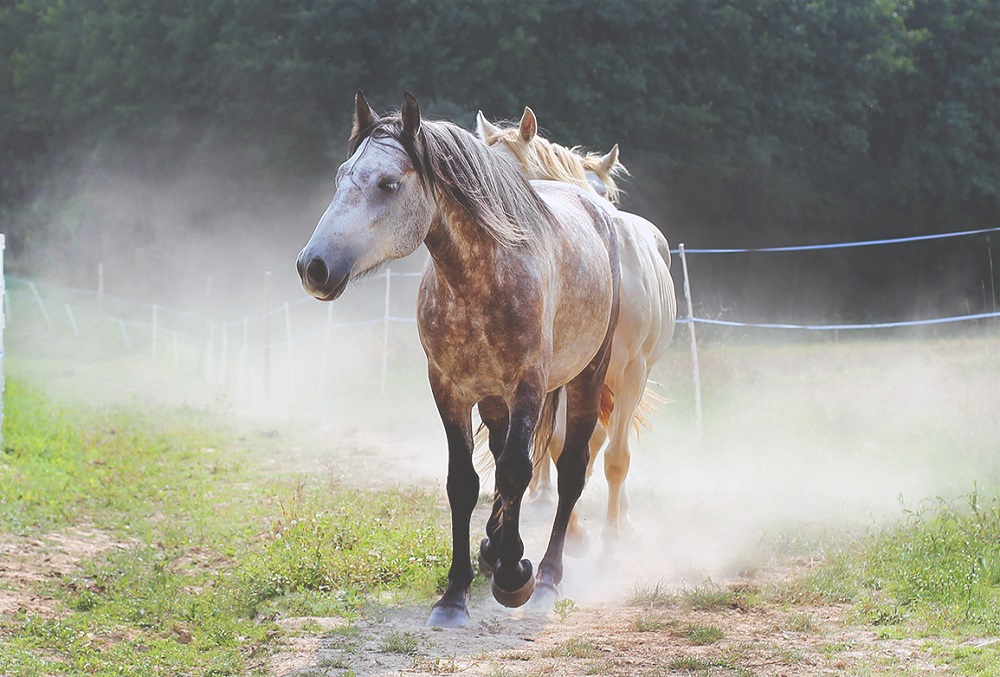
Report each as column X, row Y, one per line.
column 758, row 122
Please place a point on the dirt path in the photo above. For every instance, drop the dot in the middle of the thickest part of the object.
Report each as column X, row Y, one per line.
column 696, row 516
column 604, row 638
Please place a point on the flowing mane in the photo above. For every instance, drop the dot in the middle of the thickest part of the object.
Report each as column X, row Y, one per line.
column 549, row 160
column 479, row 183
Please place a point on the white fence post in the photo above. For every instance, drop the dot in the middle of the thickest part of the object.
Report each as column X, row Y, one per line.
column 41, row 304
column 267, row 337
column 125, row 340
column 72, row 320
column 385, row 329
column 326, row 349
column 694, row 344
column 291, row 349
column 155, row 327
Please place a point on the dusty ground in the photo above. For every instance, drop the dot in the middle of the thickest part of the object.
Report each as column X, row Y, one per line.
column 26, row 561
column 604, row 638
column 618, row 631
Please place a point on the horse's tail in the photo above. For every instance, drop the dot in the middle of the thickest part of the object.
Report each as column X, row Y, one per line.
column 546, row 427
column 647, row 405
column 482, row 457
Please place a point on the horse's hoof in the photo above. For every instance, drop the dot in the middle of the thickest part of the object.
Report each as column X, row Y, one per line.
column 486, row 566
column 515, row 598
column 524, row 581
column 448, row 617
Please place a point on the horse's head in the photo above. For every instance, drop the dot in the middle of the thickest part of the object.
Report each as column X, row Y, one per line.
column 515, row 142
column 380, row 210
column 543, row 159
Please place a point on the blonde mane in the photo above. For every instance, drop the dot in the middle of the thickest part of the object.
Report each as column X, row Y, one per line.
column 544, row 159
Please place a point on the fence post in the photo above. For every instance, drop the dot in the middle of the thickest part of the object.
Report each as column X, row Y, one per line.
column 694, row 344
column 241, row 362
column 125, row 340
column 224, row 354
column 41, row 304
column 100, row 300
column 72, row 320
column 385, row 329
column 288, row 337
column 210, row 351
column 155, row 325
column 267, row 336
column 326, row 349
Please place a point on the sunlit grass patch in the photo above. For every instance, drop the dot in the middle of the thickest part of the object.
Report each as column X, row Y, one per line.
column 202, row 554
column 703, row 634
column 938, row 568
column 656, row 594
column 646, row 623
column 405, row 643
column 574, row 648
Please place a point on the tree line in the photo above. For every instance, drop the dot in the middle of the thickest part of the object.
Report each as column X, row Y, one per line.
column 748, row 123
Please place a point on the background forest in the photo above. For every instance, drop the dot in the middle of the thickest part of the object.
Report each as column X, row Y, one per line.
column 126, row 125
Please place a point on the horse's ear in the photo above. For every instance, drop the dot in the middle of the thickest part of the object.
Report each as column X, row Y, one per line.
column 485, row 129
column 364, row 116
column 608, row 162
column 411, row 115
column 528, row 126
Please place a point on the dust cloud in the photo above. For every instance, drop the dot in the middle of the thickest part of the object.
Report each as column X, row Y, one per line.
column 805, row 437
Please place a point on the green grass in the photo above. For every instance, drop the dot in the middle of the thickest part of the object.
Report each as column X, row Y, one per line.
column 935, row 574
column 939, row 569
column 206, row 551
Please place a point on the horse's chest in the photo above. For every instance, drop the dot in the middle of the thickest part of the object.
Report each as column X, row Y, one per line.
column 481, row 340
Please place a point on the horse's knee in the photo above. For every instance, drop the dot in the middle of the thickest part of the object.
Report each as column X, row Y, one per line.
column 513, row 475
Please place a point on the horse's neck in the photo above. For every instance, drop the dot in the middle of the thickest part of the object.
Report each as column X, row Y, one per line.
column 460, row 248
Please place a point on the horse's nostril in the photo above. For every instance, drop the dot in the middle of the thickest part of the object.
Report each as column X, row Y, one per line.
column 317, row 273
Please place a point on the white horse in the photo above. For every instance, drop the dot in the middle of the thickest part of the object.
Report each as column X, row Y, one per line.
column 648, row 308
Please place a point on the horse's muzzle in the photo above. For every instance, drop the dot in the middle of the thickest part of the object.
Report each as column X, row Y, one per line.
column 321, row 280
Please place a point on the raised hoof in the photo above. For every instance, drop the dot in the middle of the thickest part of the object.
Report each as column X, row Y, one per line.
column 486, row 567
column 448, row 617
column 517, row 596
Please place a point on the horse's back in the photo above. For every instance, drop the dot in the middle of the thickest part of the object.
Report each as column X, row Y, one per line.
column 583, row 250
column 649, row 314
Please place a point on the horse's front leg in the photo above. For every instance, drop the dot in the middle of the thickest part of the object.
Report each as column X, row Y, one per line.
column 513, row 580
column 463, row 492
column 495, row 415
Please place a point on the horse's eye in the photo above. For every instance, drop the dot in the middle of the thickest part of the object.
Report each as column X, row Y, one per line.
column 388, row 185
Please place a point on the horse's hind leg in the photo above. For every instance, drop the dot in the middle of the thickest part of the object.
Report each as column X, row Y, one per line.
column 617, row 457
column 583, row 397
column 577, row 541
